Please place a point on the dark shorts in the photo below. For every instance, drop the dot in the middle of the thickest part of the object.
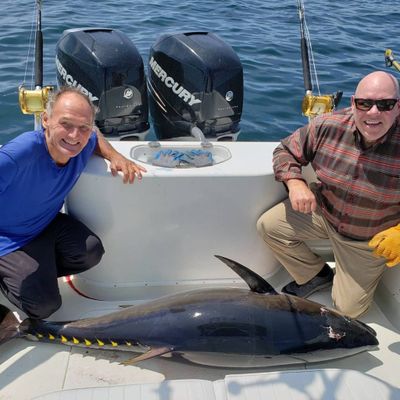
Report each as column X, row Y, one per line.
column 28, row 276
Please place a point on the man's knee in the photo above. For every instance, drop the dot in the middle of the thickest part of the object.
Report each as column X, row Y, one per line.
column 94, row 254
column 87, row 257
column 352, row 308
column 265, row 225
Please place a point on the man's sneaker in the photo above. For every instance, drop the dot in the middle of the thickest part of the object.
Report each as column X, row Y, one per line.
column 313, row 285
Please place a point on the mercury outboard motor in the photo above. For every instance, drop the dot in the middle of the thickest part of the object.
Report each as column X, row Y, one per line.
column 105, row 64
column 195, row 81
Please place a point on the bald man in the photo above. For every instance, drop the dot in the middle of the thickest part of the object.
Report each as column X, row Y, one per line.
column 38, row 243
column 355, row 153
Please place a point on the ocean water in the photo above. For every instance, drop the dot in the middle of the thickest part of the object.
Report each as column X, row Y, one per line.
column 349, row 39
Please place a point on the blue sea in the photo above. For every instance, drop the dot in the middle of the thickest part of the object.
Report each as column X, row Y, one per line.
column 348, row 38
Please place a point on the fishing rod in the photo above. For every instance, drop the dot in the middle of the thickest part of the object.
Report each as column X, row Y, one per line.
column 39, row 48
column 312, row 105
column 390, row 61
column 33, row 101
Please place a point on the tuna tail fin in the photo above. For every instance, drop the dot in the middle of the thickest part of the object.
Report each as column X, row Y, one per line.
column 255, row 282
column 9, row 325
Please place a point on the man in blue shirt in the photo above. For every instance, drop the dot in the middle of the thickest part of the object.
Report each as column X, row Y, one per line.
column 38, row 169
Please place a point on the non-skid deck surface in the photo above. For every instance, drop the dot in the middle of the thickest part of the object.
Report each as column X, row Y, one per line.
column 319, row 384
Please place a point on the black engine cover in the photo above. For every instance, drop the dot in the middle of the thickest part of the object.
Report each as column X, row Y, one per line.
column 195, row 79
column 106, row 65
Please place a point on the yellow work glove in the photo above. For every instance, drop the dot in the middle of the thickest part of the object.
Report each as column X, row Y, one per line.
column 387, row 244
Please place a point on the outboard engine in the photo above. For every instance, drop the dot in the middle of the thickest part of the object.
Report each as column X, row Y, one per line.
column 106, row 65
column 195, row 81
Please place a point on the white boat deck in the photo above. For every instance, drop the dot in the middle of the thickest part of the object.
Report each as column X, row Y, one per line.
column 51, row 371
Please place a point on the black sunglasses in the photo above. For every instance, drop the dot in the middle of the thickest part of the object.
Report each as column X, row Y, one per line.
column 382, row 104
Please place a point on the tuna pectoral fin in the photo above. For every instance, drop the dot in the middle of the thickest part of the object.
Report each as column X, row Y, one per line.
column 158, row 351
column 8, row 325
column 255, row 282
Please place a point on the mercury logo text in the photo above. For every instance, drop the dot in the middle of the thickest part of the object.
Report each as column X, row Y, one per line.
column 170, row 83
column 70, row 81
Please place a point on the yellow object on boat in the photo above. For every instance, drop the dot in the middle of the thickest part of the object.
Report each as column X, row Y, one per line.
column 390, row 61
column 33, row 101
column 316, row 105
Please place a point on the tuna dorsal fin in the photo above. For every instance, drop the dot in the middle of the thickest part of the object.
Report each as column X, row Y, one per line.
column 253, row 280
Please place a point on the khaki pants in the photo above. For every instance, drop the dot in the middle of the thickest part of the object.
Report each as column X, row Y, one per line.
column 357, row 271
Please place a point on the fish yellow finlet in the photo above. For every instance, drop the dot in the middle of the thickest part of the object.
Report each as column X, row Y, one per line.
column 75, row 340
column 114, row 344
column 88, row 342
column 39, row 336
column 128, row 343
column 64, row 339
column 100, row 343
column 51, row 337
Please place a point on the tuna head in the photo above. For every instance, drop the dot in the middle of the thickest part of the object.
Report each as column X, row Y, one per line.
column 327, row 334
column 350, row 332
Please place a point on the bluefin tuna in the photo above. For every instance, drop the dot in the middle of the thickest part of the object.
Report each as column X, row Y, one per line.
column 232, row 327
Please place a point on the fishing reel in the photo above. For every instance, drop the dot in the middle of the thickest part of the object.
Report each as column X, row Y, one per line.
column 317, row 105
column 390, row 61
column 33, row 101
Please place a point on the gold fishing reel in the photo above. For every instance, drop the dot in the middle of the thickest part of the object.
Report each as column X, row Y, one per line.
column 317, row 105
column 390, row 61
column 33, row 101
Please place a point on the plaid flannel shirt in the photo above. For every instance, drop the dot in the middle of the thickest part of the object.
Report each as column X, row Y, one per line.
column 357, row 188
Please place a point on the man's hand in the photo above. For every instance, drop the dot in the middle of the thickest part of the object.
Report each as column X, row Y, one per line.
column 129, row 169
column 387, row 244
column 301, row 197
column 118, row 162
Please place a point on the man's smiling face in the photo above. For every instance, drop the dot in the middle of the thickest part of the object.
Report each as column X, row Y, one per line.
column 68, row 127
column 374, row 124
